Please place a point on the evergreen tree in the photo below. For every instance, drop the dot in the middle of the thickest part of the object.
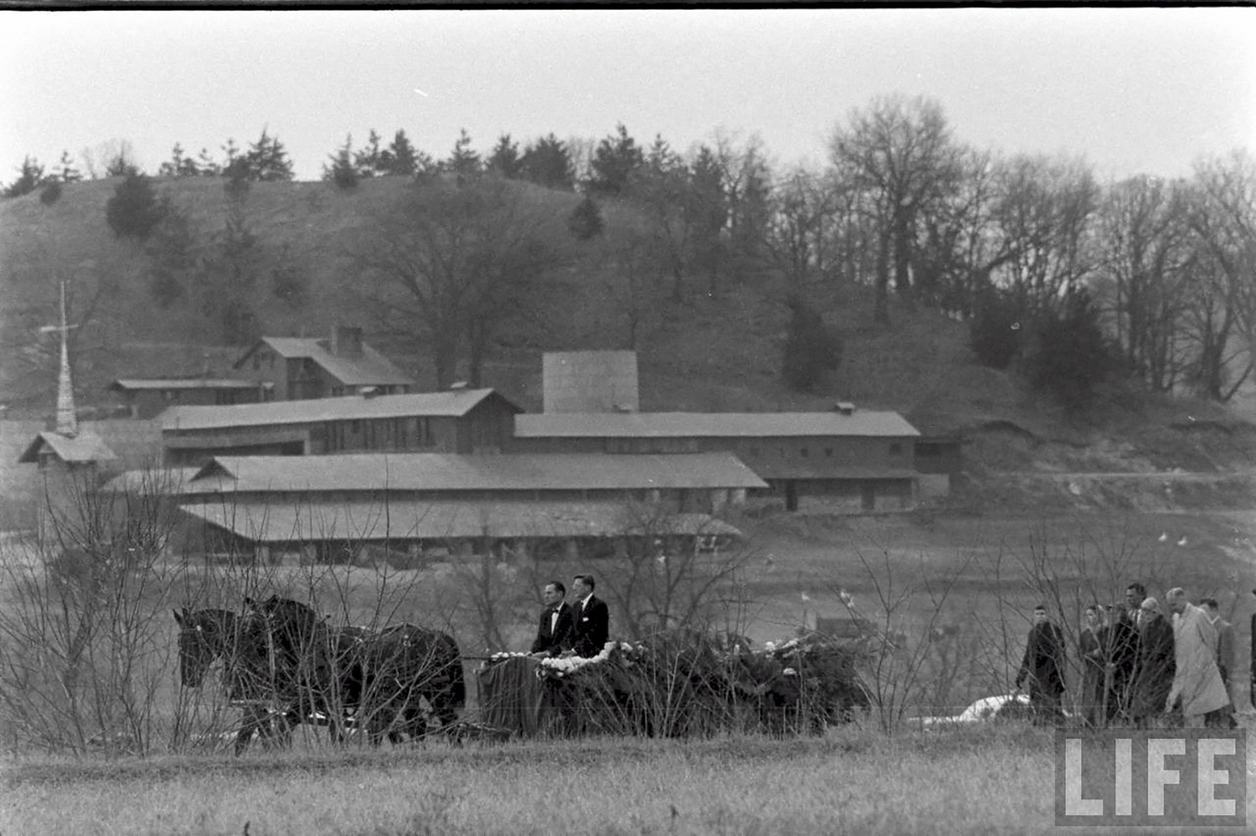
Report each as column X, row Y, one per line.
column 287, row 281
column 66, row 172
column 342, row 171
column 1069, row 355
column 811, row 348
column 616, row 159
column 505, row 158
column 661, row 159
column 171, row 251
column 585, row 221
column 231, row 153
column 120, row 164
column 707, row 205
column 51, row 192
column 369, row 161
column 996, row 328
column 177, row 165
column 238, row 175
column 463, row 162
column 268, row 160
column 30, row 175
column 400, row 156
column 133, row 211
column 547, row 162
column 205, row 165
column 170, row 168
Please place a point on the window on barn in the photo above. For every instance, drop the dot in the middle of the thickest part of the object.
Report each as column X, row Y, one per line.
column 828, row 452
column 804, row 452
column 895, row 448
column 257, row 361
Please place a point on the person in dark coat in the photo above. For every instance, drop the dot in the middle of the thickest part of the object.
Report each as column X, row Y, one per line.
column 1042, row 668
column 1120, row 644
column 1090, row 644
column 1157, row 665
column 553, row 630
column 592, row 619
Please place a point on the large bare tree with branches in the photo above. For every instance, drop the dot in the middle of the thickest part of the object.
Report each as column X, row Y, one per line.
column 899, row 153
column 448, row 262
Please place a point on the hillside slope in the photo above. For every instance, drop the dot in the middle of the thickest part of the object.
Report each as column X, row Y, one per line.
column 712, row 352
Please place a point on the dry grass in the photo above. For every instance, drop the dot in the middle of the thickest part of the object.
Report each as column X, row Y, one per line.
column 852, row 781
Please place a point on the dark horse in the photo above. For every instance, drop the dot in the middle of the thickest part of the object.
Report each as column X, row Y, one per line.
column 241, row 642
column 373, row 679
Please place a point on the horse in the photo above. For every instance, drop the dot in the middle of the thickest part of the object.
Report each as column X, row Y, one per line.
column 372, row 678
column 240, row 641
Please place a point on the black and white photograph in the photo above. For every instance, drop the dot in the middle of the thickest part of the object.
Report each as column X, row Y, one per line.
column 627, row 420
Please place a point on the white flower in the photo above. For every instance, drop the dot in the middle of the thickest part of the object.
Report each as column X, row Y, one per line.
column 770, row 647
column 790, row 672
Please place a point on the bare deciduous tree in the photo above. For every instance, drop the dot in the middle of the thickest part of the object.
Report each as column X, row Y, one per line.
column 898, row 152
column 449, row 262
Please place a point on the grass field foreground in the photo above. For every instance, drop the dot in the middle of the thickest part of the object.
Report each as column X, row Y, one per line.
column 980, row 780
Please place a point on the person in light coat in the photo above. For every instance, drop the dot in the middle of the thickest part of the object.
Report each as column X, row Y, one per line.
column 1196, row 680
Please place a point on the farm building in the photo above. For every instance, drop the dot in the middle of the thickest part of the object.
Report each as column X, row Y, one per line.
column 584, row 504
column 294, row 369
column 145, row 398
column 455, row 421
column 844, row 460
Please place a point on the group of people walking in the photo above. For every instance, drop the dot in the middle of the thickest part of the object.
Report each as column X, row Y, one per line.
column 1140, row 665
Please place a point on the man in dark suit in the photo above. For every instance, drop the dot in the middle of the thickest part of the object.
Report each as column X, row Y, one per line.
column 592, row 619
column 1042, row 668
column 553, row 632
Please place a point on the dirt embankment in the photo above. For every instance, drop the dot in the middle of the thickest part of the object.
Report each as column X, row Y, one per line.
column 1185, row 465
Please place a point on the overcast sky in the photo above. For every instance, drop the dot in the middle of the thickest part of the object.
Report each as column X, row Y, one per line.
column 1132, row 90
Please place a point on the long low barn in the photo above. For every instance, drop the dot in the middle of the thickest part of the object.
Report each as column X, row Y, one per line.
column 844, row 460
column 330, row 531
column 700, row 482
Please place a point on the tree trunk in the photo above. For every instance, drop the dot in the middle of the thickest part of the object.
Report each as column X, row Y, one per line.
column 445, row 359
column 881, row 311
column 902, row 263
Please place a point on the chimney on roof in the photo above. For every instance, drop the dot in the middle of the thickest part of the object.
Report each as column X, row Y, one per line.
column 346, row 341
column 844, row 408
column 458, row 386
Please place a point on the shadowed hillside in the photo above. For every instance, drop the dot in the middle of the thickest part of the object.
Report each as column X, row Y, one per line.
column 710, row 352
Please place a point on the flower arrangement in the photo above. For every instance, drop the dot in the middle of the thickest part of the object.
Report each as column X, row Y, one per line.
column 507, row 654
column 561, row 666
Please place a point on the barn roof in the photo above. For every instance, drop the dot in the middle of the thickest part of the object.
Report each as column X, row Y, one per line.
column 77, row 449
column 454, row 472
column 456, row 402
column 139, row 384
column 372, row 368
column 711, row 424
column 321, row 521
column 150, row 482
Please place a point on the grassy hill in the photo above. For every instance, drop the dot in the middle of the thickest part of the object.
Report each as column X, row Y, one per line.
column 713, row 352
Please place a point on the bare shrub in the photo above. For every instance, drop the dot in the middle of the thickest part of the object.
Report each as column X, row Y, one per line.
column 83, row 659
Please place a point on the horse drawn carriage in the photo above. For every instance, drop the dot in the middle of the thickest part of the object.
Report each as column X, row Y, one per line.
column 284, row 665
column 675, row 684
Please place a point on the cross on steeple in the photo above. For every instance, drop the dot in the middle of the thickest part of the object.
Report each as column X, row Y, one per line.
column 67, row 421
